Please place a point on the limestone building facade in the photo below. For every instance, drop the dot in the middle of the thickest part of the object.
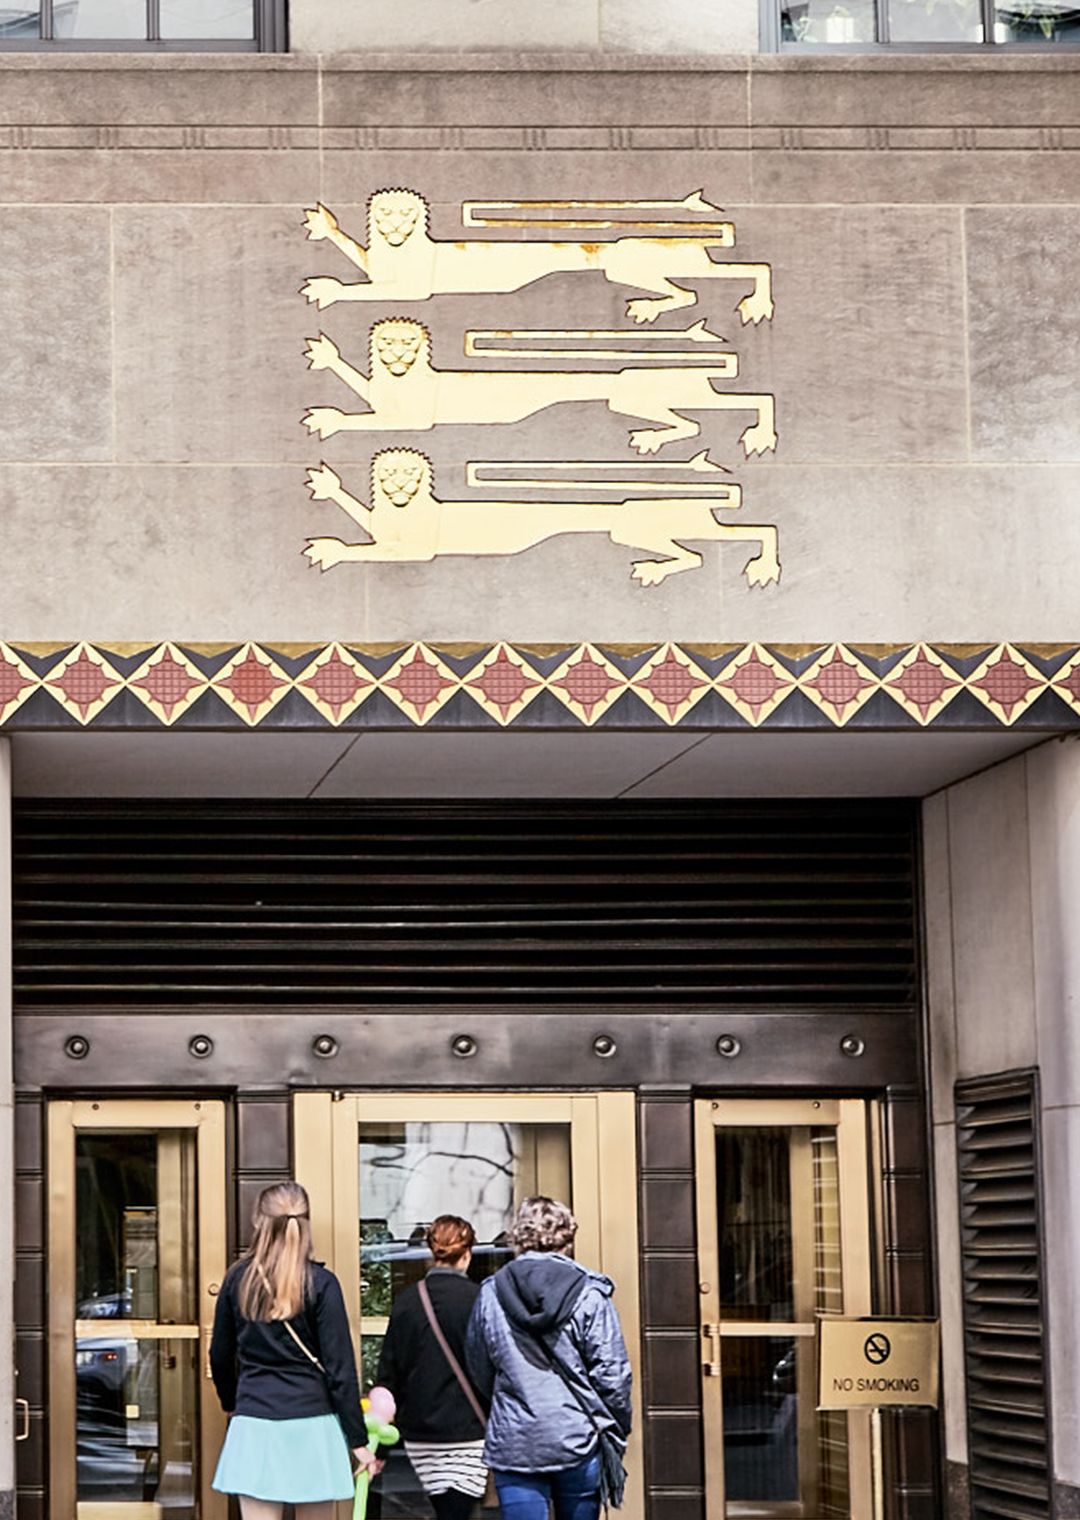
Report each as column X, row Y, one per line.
column 539, row 651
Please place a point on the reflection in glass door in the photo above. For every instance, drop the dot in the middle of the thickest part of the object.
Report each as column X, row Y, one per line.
column 783, row 1222
column 136, row 1252
column 413, row 1170
column 398, row 1161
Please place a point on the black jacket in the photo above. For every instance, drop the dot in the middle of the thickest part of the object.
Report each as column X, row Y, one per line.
column 431, row 1405
column 258, row 1369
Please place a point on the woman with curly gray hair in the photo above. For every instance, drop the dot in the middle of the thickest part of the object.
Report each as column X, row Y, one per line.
column 543, row 1225
column 544, row 1345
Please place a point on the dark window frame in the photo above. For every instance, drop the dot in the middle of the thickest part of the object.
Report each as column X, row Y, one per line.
column 772, row 40
column 271, row 36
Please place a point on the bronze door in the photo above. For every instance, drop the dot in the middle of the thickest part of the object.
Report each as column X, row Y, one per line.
column 784, row 1238
column 380, row 1166
column 136, row 1255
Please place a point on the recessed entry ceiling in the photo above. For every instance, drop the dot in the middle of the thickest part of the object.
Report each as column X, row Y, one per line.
column 442, row 764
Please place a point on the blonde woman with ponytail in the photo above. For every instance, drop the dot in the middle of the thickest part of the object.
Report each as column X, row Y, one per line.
column 283, row 1366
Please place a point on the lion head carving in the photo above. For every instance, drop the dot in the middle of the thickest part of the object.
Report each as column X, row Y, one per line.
column 397, row 343
column 399, row 475
column 395, row 214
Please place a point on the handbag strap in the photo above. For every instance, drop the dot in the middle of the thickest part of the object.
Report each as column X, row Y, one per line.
column 601, row 1434
column 312, row 1358
column 444, row 1347
column 557, row 1363
column 307, row 1352
column 561, row 1369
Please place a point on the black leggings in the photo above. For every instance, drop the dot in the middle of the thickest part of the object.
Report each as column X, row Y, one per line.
column 452, row 1505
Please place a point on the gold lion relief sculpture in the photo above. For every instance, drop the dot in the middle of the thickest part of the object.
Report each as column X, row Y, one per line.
column 407, row 523
column 402, row 262
column 406, row 393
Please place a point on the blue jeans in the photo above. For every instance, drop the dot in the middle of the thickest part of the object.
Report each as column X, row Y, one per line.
column 574, row 1492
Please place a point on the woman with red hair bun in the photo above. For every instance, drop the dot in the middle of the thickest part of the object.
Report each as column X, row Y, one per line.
column 422, row 1363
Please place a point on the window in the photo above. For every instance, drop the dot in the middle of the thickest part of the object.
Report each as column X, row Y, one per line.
column 180, row 25
column 928, row 23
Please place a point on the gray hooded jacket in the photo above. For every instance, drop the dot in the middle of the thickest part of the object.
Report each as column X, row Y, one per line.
column 536, row 1423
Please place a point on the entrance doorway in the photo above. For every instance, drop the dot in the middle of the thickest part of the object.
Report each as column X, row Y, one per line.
column 784, row 1231
column 379, row 1167
column 136, row 1256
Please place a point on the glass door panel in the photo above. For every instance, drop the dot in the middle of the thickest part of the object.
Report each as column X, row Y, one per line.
column 135, row 1416
column 136, row 1235
column 778, row 1251
column 413, row 1170
column 398, row 1161
column 410, row 1172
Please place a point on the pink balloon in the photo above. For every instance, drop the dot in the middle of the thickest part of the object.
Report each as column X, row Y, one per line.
column 382, row 1404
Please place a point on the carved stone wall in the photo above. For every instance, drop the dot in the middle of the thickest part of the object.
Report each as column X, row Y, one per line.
column 916, row 212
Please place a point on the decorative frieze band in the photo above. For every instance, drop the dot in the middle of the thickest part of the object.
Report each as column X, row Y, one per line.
column 516, row 138
column 498, row 684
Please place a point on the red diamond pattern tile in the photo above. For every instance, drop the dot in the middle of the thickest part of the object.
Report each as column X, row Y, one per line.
column 503, row 683
column 420, row 683
column 167, row 683
column 251, row 683
column 12, row 683
column 670, row 683
column 922, row 686
column 923, row 683
column 587, row 683
column 755, row 684
column 839, row 683
column 1006, row 683
column 84, row 683
column 336, row 683
column 1071, row 683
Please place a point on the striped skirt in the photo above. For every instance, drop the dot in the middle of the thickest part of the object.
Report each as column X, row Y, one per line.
column 442, row 1465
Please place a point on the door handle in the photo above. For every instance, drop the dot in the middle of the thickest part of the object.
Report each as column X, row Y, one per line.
column 710, row 1364
column 208, row 1332
column 22, row 1407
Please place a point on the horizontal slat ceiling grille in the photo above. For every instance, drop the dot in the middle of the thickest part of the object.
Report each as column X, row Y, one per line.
column 441, row 903
column 1003, row 1300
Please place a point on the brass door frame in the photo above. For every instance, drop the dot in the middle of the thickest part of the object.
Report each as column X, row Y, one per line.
column 65, row 1119
column 603, row 1166
column 851, row 1119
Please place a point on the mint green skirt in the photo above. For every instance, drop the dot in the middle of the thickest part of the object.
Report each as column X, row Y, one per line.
column 285, row 1461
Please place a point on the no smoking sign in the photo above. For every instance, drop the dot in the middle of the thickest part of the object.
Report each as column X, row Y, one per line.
column 868, row 1364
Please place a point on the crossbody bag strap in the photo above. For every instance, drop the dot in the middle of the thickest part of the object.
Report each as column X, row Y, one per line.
column 312, row 1358
column 611, row 1492
column 557, row 1363
column 560, row 1367
column 444, row 1347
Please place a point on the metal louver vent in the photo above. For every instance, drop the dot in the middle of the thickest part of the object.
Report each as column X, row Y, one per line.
column 753, row 904
column 1004, row 1330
